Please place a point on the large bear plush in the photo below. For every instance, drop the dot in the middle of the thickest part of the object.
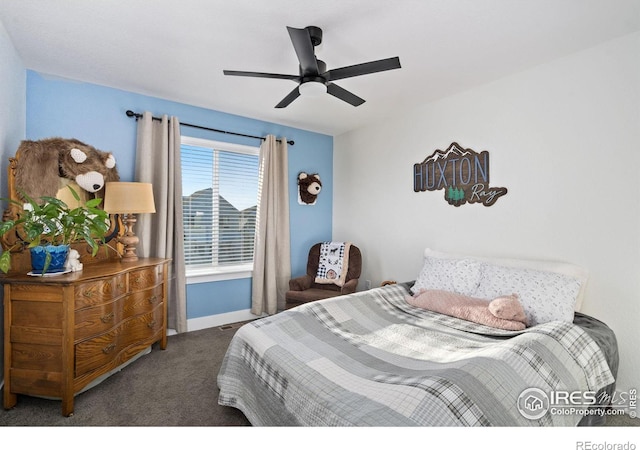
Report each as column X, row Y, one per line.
column 309, row 186
column 45, row 166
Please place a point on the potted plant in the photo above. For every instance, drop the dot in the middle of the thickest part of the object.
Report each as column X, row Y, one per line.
column 49, row 227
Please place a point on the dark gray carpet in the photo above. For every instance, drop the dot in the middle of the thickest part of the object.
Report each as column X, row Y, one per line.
column 172, row 387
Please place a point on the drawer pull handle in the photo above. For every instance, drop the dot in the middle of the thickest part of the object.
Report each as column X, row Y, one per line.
column 120, row 285
column 137, row 280
column 107, row 317
column 152, row 324
column 153, row 299
column 108, row 348
column 88, row 294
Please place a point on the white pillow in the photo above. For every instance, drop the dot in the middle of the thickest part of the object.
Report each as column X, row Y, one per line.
column 571, row 270
column 452, row 275
column 545, row 296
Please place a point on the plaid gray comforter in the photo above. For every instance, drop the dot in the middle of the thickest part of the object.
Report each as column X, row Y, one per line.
column 371, row 359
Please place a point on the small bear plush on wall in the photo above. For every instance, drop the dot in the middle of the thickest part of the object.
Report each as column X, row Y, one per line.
column 309, row 186
column 43, row 164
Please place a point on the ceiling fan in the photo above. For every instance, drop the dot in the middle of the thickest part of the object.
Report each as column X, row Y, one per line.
column 314, row 78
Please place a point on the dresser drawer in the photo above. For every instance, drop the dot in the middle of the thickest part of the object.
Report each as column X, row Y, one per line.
column 145, row 278
column 94, row 353
column 99, row 292
column 143, row 301
column 97, row 319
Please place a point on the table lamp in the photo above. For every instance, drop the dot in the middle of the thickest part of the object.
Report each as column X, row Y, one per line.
column 129, row 199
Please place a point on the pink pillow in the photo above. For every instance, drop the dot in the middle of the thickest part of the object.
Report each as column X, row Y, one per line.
column 473, row 309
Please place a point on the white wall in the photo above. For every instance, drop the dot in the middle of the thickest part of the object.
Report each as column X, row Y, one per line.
column 12, row 116
column 563, row 137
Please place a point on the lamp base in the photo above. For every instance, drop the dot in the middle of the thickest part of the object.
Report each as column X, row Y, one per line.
column 128, row 239
column 129, row 256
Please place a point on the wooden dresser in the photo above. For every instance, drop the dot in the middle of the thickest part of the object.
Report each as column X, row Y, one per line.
column 63, row 332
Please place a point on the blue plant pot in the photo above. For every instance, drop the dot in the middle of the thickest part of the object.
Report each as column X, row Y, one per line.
column 58, row 257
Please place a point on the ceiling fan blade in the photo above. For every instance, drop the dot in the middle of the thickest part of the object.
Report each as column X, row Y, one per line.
column 239, row 73
column 362, row 69
column 301, row 40
column 344, row 95
column 289, row 98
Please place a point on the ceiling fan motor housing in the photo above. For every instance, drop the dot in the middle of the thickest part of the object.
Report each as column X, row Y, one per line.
column 316, row 35
column 322, row 68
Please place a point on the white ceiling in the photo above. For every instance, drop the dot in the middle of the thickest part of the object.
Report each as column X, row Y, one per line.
column 177, row 50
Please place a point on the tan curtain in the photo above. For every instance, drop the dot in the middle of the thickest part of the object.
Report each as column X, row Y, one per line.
column 272, row 258
column 161, row 234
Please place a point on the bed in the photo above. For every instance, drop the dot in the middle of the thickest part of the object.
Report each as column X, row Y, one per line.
column 373, row 359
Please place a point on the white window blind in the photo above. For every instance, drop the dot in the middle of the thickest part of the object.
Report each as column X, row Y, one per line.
column 220, row 196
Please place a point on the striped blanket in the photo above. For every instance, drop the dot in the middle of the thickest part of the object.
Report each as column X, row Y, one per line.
column 371, row 359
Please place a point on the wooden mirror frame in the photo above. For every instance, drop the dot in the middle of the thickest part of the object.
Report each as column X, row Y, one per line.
column 21, row 258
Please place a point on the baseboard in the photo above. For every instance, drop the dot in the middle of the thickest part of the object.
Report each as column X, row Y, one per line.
column 217, row 320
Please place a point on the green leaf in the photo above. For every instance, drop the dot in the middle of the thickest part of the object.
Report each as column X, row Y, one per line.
column 55, row 202
column 5, row 261
column 47, row 262
column 93, row 202
column 6, row 226
column 94, row 246
column 74, row 193
column 34, row 231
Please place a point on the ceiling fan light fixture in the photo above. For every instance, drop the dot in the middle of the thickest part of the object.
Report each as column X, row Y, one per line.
column 313, row 77
column 312, row 89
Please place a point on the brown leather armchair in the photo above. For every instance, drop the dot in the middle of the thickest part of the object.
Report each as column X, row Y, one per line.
column 304, row 289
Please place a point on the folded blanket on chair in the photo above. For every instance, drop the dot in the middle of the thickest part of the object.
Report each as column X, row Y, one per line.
column 334, row 263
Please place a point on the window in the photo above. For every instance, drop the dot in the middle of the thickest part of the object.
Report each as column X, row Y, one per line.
column 219, row 203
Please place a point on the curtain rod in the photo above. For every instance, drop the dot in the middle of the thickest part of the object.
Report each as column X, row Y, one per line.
column 138, row 116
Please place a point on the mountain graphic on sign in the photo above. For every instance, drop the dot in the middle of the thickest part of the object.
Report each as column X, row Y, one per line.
column 454, row 149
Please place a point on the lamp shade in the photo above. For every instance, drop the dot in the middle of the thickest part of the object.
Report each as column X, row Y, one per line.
column 122, row 197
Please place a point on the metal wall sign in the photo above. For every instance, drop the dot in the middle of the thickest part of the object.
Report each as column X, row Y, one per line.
column 461, row 173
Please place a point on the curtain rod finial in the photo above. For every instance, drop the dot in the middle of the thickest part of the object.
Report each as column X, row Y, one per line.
column 132, row 114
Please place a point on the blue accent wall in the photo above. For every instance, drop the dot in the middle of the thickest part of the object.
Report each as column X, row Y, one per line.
column 96, row 115
column 201, row 302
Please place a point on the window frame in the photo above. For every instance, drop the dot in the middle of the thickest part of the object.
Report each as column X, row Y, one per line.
column 219, row 273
